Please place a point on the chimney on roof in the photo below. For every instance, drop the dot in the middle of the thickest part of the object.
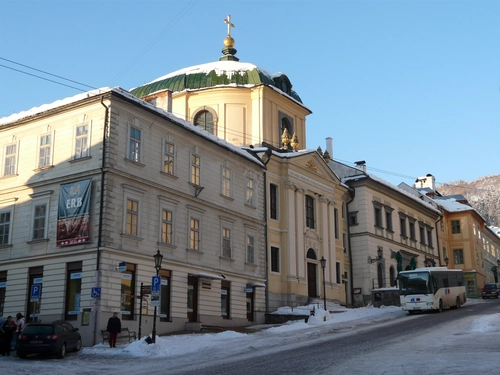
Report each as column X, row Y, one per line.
column 361, row 165
column 429, row 181
column 329, row 146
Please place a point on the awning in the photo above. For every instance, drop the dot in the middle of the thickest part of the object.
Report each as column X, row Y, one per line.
column 204, row 275
column 257, row 285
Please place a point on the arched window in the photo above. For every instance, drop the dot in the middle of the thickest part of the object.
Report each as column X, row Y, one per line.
column 311, row 254
column 205, row 121
column 392, row 276
column 380, row 276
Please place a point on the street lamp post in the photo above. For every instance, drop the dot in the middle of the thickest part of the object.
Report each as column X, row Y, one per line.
column 323, row 265
column 158, row 258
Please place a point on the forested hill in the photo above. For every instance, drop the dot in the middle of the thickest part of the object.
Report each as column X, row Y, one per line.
column 483, row 194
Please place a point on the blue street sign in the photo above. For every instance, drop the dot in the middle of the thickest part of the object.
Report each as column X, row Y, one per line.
column 156, row 284
column 96, row 293
column 35, row 292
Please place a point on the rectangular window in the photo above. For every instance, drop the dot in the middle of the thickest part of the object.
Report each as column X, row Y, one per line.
column 226, row 182
column 134, row 152
column 336, row 218
column 413, row 235
column 309, row 212
column 195, row 170
column 127, row 292
column 164, row 310
column 273, row 201
column 429, row 237
column 249, row 192
column 353, row 218
column 3, row 286
column 402, row 224
column 73, row 290
column 168, row 158
column 82, row 141
column 166, row 227
column 45, row 150
column 422, row 234
column 250, row 249
column 378, row 216
column 4, row 228
column 226, row 243
column 194, row 234
column 388, row 220
column 35, row 280
column 337, row 273
column 458, row 256
column 132, row 217
column 224, row 299
column 10, row 159
column 275, row 259
column 39, row 220
column 455, row 226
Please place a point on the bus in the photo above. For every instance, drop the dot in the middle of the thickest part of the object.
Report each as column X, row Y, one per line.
column 431, row 288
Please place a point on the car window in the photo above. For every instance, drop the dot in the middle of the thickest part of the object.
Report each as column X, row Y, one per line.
column 39, row 329
column 67, row 327
column 59, row 328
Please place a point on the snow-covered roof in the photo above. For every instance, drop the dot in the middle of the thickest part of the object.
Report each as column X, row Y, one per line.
column 124, row 93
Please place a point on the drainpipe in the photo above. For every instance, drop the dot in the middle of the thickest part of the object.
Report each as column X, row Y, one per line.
column 437, row 238
column 352, row 193
column 99, row 236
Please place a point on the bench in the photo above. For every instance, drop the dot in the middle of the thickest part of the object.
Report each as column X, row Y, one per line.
column 124, row 334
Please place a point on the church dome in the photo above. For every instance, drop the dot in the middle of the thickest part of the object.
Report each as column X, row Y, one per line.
column 219, row 73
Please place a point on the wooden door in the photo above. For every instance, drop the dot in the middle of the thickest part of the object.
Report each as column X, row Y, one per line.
column 312, row 289
column 192, row 299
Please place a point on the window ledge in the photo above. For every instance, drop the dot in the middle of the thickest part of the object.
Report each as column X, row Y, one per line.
column 378, row 226
column 166, row 245
column 390, row 230
column 131, row 236
column 194, row 251
column 134, row 162
column 80, row 159
column 226, row 258
column 9, row 176
column 168, row 175
column 38, row 241
column 6, row 246
column 39, row 169
column 250, row 206
column 227, row 197
column 251, row 264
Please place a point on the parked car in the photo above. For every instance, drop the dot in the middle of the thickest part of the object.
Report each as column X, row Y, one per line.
column 490, row 291
column 48, row 338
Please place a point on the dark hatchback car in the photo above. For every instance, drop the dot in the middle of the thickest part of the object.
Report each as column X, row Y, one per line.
column 490, row 291
column 48, row 338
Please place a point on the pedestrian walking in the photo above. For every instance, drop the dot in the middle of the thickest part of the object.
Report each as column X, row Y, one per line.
column 8, row 327
column 114, row 328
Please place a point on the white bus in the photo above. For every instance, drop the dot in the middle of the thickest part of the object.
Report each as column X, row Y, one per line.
column 432, row 288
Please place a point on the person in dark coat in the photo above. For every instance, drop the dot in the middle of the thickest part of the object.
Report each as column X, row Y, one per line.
column 8, row 327
column 114, row 328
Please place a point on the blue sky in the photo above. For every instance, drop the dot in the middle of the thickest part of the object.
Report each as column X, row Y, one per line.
column 411, row 87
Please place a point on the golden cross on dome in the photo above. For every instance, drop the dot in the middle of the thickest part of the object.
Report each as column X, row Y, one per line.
column 229, row 24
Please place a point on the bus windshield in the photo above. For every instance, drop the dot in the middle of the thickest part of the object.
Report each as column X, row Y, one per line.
column 414, row 283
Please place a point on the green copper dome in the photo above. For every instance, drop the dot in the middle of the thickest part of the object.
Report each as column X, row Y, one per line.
column 220, row 73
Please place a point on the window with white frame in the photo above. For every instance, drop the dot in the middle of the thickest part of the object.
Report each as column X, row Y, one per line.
column 195, row 169
column 45, row 151
column 134, row 150
column 82, row 141
column 205, row 120
column 5, row 225
column 310, row 221
column 194, row 234
column 40, row 221
column 226, row 181
column 226, row 243
column 10, row 160
column 132, row 217
column 168, row 158
column 249, row 192
column 166, row 227
column 250, row 249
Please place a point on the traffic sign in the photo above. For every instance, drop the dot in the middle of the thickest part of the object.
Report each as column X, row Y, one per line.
column 36, row 290
column 96, row 293
column 155, row 283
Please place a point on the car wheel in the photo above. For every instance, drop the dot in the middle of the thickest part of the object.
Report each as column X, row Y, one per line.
column 62, row 351
column 22, row 355
column 78, row 345
column 411, row 312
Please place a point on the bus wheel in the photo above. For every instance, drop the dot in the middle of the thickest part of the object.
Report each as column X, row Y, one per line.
column 457, row 304
column 440, row 306
column 411, row 312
